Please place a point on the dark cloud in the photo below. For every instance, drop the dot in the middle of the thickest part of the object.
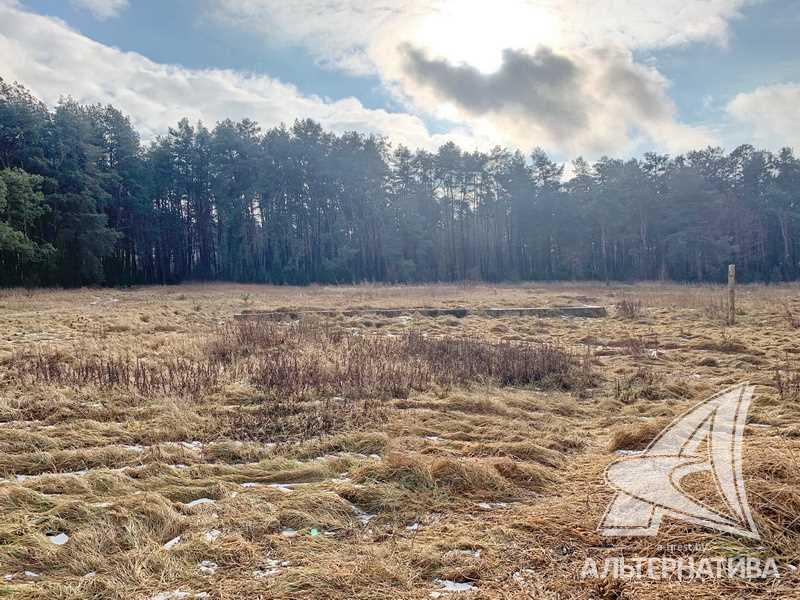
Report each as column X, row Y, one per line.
column 562, row 95
column 544, row 85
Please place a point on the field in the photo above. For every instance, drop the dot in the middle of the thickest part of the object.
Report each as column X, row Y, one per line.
column 153, row 448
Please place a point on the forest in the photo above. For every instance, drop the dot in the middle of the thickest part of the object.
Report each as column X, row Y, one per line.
column 84, row 202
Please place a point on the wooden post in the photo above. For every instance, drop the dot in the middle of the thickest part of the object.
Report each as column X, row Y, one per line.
column 731, row 294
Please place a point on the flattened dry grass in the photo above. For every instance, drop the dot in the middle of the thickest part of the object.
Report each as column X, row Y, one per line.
column 366, row 457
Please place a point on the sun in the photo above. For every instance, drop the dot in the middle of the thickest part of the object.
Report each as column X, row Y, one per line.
column 477, row 32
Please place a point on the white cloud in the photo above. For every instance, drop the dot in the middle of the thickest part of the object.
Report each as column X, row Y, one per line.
column 585, row 102
column 360, row 35
column 157, row 95
column 367, row 37
column 102, row 9
column 770, row 114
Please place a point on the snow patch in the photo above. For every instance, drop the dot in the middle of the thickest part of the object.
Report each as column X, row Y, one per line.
column 361, row 515
column 455, row 586
column 207, row 567
column 270, row 568
column 492, row 505
column 212, row 535
column 177, row 595
column 200, row 501
column 284, row 487
column 59, row 539
column 172, row 543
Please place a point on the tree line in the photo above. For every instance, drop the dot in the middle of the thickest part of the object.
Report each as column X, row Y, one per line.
column 84, row 202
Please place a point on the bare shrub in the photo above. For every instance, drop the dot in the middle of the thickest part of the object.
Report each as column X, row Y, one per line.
column 791, row 318
column 715, row 308
column 787, row 382
column 643, row 384
column 324, row 362
column 313, row 360
column 174, row 376
column 635, row 346
column 242, row 338
column 629, row 308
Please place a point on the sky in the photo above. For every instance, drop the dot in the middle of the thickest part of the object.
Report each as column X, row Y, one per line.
column 575, row 77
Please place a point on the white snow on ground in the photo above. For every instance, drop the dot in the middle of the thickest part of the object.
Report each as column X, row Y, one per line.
column 212, row 535
column 207, row 567
column 200, row 501
column 177, row 595
column 492, row 505
column 59, row 539
column 455, row 586
column 172, row 543
column 270, row 568
column 284, row 487
column 362, row 516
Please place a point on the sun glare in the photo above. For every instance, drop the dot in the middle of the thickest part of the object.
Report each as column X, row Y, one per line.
column 476, row 33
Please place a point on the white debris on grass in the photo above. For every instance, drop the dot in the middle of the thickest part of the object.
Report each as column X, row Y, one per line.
column 284, row 487
column 251, row 484
column 523, row 575
column 207, row 567
column 455, row 586
column 467, row 553
column 172, row 543
column 90, row 574
column 200, row 501
column 178, row 595
column 288, row 532
column 413, row 527
column 8, row 577
column 133, row 448
column 261, row 573
column 59, row 539
column 212, row 535
column 362, row 516
column 492, row 505
column 271, row 567
column 31, row 574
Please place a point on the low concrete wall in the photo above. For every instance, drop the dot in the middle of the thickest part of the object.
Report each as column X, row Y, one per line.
column 547, row 311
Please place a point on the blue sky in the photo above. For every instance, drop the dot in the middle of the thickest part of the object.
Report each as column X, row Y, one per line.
column 577, row 77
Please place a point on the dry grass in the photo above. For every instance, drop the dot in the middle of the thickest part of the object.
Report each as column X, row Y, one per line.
column 629, row 308
column 369, row 457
